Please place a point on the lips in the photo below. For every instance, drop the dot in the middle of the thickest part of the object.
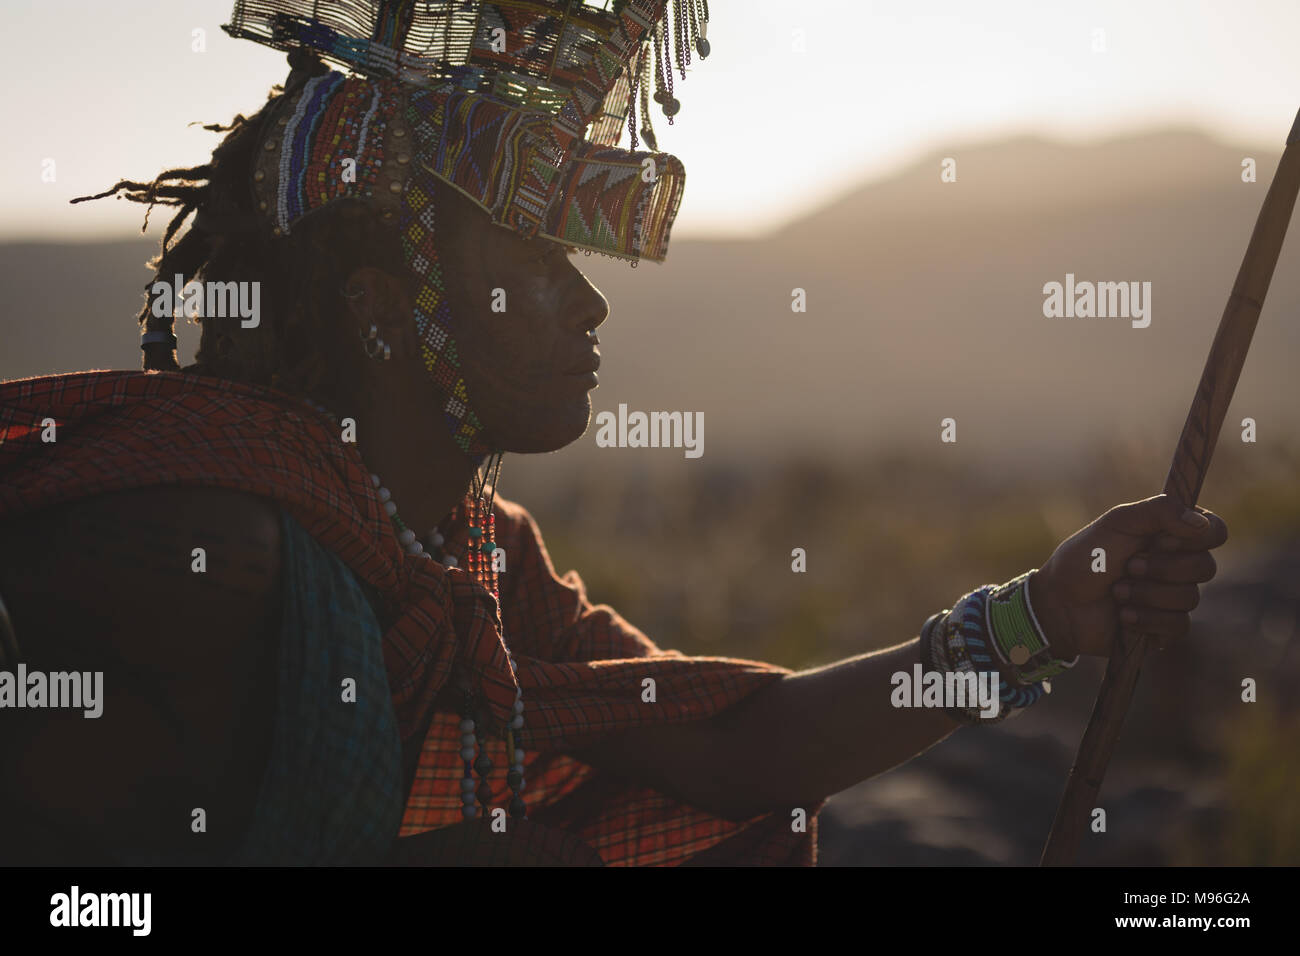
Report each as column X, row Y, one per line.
column 586, row 365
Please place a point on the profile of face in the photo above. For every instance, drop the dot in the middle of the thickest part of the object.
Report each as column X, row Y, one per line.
column 525, row 320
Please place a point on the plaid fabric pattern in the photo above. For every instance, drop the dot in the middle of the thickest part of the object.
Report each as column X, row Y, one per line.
column 581, row 666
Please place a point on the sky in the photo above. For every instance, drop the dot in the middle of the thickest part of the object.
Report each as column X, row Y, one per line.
column 799, row 101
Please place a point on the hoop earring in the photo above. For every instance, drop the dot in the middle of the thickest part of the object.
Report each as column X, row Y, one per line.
column 375, row 346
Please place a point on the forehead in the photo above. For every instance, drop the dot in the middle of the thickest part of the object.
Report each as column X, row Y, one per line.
column 463, row 220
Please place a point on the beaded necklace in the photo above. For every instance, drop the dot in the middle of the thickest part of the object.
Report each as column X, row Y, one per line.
column 479, row 565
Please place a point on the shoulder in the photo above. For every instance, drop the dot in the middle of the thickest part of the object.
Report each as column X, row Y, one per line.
column 511, row 514
column 164, row 514
column 168, row 559
column 517, row 532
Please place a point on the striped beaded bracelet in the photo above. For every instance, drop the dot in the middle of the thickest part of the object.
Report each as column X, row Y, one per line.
column 943, row 651
column 958, row 641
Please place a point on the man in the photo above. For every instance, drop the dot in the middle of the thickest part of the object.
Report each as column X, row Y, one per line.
column 244, row 548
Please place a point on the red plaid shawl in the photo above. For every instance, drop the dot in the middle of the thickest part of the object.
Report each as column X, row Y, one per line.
column 580, row 666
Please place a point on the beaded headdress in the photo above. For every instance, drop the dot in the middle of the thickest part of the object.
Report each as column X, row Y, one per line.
column 518, row 104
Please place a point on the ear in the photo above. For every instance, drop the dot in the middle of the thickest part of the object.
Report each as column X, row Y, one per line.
column 374, row 297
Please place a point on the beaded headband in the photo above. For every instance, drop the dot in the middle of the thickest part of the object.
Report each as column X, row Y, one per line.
column 515, row 103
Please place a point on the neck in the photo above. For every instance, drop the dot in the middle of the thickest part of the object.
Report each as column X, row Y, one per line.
column 402, row 439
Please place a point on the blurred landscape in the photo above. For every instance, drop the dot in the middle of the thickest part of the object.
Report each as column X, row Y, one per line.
column 822, row 432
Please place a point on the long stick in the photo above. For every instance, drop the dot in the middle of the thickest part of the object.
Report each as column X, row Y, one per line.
column 1186, row 475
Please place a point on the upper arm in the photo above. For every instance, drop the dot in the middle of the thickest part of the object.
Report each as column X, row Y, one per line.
column 184, row 638
column 549, row 616
column 135, row 574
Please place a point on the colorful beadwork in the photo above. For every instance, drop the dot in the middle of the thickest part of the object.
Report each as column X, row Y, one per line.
column 337, row 120
column 431, row 310
column 535, row 94
column 1018, row 639
column 957, row 641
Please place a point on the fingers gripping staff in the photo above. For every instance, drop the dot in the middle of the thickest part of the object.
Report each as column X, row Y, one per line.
column 1186, row 476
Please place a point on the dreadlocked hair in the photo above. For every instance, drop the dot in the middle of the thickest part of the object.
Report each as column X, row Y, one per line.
column 302, row 344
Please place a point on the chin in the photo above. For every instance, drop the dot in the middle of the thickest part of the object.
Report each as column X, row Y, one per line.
column 550, row 429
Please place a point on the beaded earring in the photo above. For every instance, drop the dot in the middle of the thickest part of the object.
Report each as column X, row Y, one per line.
column 375, row 346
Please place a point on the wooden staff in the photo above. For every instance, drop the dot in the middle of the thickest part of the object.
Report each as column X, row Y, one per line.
column 1186, row 475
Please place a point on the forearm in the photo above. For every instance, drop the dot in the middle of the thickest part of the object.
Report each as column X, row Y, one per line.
column 820, row 731
column 788, row 745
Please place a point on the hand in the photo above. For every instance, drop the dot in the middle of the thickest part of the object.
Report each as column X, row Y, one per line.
column 1154, row 561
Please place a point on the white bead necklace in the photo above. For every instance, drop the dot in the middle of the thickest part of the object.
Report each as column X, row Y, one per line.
column 407, row 538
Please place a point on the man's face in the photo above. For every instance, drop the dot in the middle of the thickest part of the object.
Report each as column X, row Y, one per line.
column 524, row 321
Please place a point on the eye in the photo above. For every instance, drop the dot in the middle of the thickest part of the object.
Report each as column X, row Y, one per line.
column 552, row 250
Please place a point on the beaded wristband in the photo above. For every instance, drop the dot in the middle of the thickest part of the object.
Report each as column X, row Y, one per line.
column 965, row 652
column 957, row 641
column 944, row 650
column 1015, row 699
column 1017, row 637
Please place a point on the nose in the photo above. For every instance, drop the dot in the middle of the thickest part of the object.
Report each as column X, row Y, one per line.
column 591, row 308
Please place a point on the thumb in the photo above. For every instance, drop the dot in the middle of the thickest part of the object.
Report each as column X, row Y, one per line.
column 1160, row 513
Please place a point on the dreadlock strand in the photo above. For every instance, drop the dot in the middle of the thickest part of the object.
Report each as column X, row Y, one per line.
column 144, row 192
column 186, row 208
column 302, row 344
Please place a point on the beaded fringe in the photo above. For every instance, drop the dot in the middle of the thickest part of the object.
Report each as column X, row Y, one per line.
column 682, row 28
